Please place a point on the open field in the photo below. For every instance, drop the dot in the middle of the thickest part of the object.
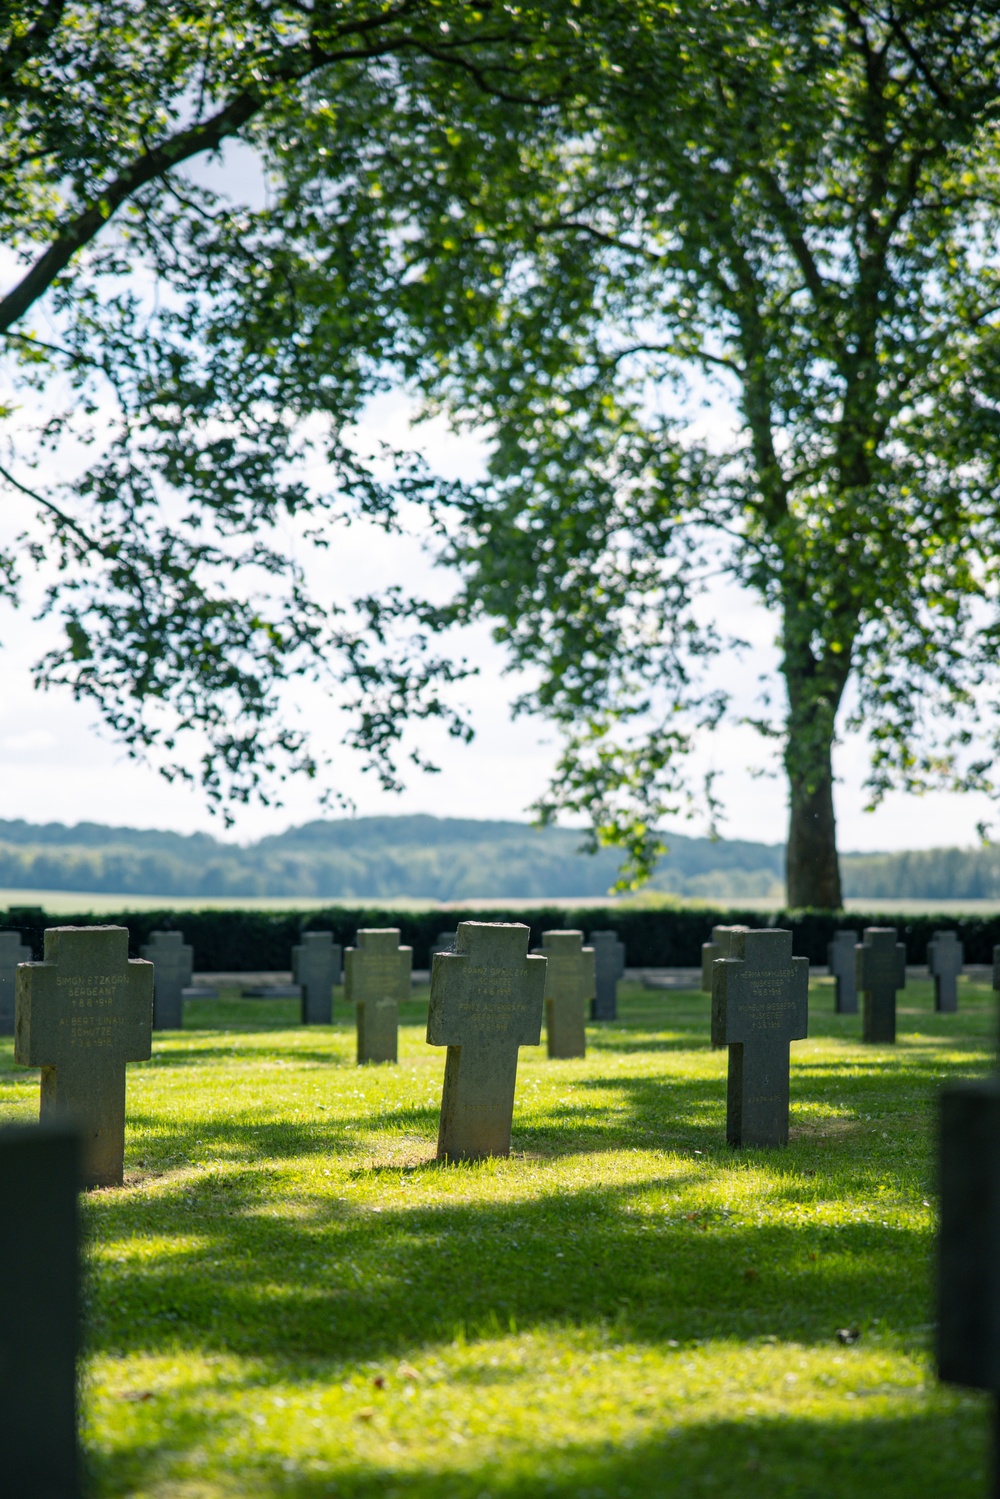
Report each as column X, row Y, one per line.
column 291, row 1298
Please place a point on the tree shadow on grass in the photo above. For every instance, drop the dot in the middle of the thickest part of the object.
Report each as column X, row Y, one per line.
column 933, row 1455
column 317, row 1276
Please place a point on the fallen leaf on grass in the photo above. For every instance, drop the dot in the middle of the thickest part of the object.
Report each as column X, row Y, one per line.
column 366, row 1414
column 379, row 1381
column 407, row 1371
column 136, row 1395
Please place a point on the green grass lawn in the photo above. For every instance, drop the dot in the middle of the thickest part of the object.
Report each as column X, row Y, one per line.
column 290, row 1297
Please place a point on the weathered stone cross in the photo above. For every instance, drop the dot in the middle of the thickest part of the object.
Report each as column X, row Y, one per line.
column 376, row 981
column 81, row 1015
column 760, row 1003
column 173, row 963
column 570, row 982
column 842, row 965
column 880, row 970
column 316, row 967
column 486, row 1001
column 945, row 956
column 609, row 959
column 12, row 952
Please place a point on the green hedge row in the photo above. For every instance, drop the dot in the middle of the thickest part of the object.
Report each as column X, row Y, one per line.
column 260, row 941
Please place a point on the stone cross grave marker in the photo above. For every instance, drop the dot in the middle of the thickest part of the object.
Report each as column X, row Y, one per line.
column 316, row 967
column 82, row 1013
column 173, row 964
column 945, row 956
column 486, row 1002
column 880, row 970
column 712, row 951
column 376, row 979
column 840, row 953
column 39, row 1312
column 570, row 982
column 12, row 952
column 968, row 1258
column 760, row 1003
column 609, row 961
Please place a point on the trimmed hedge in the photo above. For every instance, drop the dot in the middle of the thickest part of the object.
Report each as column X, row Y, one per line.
column 237, row 941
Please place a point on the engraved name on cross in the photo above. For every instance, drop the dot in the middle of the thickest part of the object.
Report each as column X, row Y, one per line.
column 760, row 1003
column 81, row 1015
column 486, row 1002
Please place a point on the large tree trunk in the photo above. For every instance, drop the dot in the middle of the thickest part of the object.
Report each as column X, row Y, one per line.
column 812, row 870
column 815, row 687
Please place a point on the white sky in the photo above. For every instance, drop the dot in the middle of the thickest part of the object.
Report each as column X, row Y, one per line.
column 56, row 764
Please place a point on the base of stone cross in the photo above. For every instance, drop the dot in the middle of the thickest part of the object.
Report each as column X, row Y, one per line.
column 878, row 1026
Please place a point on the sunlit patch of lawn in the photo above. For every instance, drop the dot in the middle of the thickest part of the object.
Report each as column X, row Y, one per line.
column 290, row 1297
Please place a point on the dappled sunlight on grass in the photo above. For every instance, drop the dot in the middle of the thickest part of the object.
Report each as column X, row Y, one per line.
column 291, row 1296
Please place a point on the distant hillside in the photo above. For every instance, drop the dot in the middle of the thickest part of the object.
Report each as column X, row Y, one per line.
column 925, row 874
column 366, row 858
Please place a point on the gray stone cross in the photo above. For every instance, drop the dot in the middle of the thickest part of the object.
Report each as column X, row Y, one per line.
column 609, row 960
column 173, row 963
column 486, row 1002
column 760, row 1003
column 712, row 951
column 570, row 982
column 316, row 967
column 880, row 970
column 82, row 1014
column 40, row 1312
column 945, row 956
column 376, row 981
column 12, row 952
column 840, row 953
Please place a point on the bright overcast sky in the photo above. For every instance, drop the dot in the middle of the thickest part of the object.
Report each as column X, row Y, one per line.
column 57, row 765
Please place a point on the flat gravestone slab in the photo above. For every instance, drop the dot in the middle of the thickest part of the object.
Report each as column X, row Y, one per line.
column 39, row 1312
column 12, row 952
column 570, row 981
column 82, row 1014
column 173, row 967
column 760, row 1003
column 316, row 966
column 486, row 1002
column 712, row 951
column 968, row 1259
column 945, row 956
column 880, row 971
column 840, row 953
column 376, row 980
column 609, row 962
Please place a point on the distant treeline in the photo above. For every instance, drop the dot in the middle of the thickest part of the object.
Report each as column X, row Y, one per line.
column 382, row 858
column 367, row 858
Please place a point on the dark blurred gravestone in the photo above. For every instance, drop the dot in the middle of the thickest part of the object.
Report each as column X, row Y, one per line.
column 569, row 986
column 968, row 1260
column 316, row 967
column 82, row 1014
column 760, row 1003
column 376, row 981
column 840, row 953
column 39, row 1312
column 443, row 942
column 945, row 956
column 712, row 951
column 609, row 962
column 486, row 1002
column 173, row 964
column 880, row 971
column 12, row 952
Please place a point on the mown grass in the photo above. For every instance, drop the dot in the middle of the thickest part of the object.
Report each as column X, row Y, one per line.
column 290, row 1297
